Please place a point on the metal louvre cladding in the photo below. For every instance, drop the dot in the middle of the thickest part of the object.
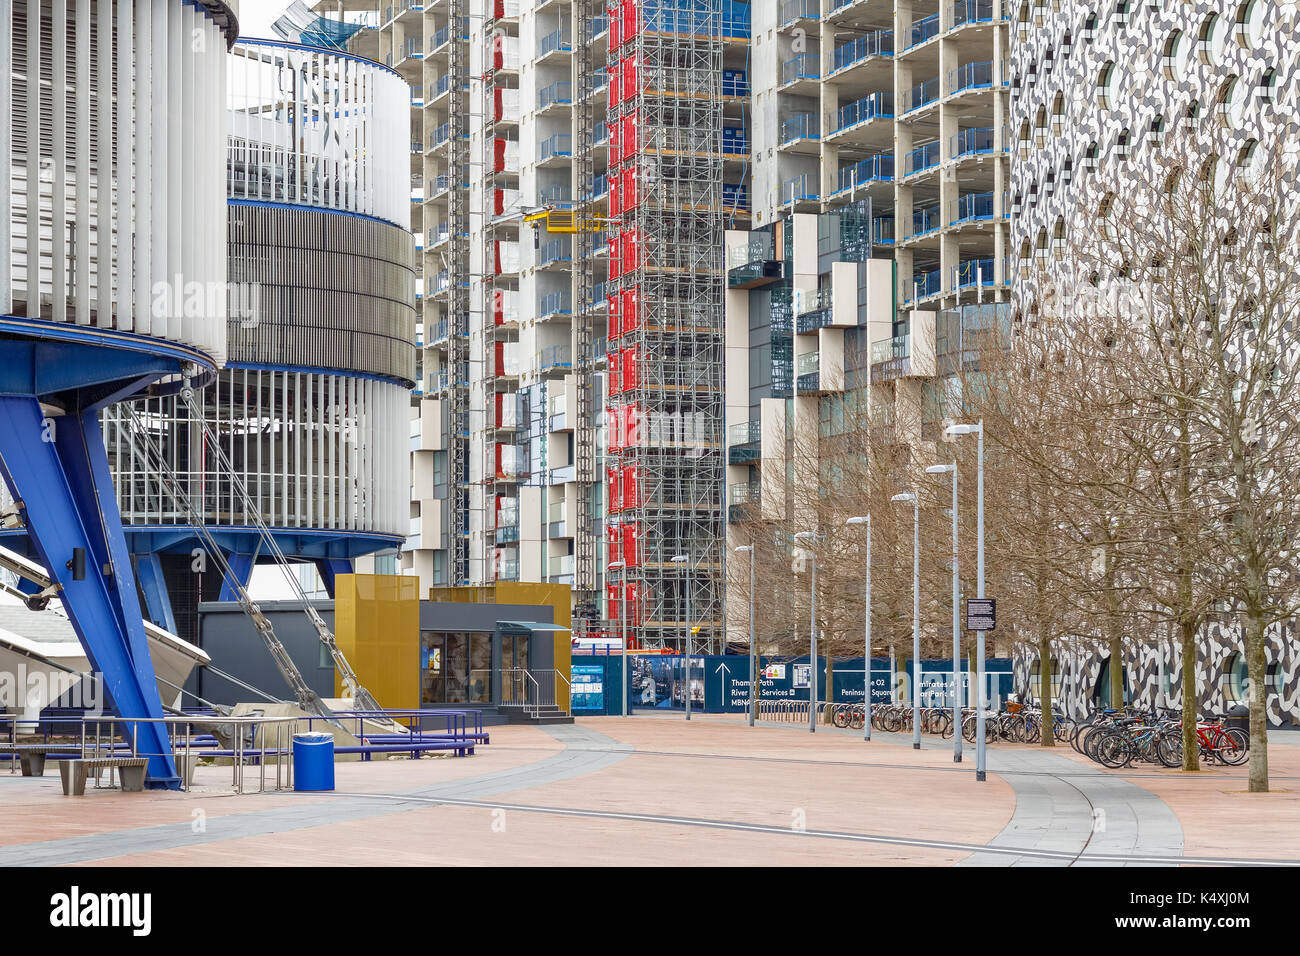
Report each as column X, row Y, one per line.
column 112, row 138
column 330, row 291
column 314, row 450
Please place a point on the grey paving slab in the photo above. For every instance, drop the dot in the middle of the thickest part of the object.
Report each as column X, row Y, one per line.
column 586, row 752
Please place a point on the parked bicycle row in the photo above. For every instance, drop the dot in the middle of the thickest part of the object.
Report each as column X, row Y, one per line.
column 1118, row 738
column 1015, row 726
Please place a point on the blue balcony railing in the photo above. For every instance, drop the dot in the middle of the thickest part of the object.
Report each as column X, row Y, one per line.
column 925, row 220
column 559, row 249
column 798, row 189
column 873, row 169
column 803, row 126
column 971, row 76
column 921, row 95
column 561, row 144
column 876, row 106
column 922, row 158
column 923, row 30
column 802, row 67
column 559, row 41
column 972, row 11
column 927, row 284
column 555, row 303
column 972, row 207
column 878, row 43
column 974, row 272
column 882, row 230
column 560, row 92
column 977, row 140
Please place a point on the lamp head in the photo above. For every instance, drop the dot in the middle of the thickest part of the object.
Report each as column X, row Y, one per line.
column 860, row 520
column 903, row 497
column 745, row 549
column 939, row 469
column 956, row 431
column 678, row 559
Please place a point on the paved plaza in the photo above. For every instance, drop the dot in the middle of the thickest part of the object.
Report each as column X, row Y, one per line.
column 656, row 790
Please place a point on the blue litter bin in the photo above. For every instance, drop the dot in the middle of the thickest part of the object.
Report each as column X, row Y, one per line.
column 313, row 761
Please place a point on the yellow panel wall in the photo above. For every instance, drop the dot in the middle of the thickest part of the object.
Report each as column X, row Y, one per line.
column 377, row 626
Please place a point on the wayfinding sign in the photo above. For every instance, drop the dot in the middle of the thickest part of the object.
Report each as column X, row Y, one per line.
column 981, row 614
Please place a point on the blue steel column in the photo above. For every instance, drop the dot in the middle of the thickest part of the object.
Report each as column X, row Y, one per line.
column 148, row 568
column 330, row 568
column 241, row 566
column 68, row 502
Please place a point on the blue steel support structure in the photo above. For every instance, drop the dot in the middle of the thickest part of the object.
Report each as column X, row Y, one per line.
column 54, row 381
column 57, row 470
column 241, row 566
column 148, row 569
column 329, row 568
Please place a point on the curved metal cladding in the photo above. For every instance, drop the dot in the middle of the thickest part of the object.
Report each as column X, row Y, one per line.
column 313, row 406
column 323, row 291
column 314, row 450
column 319, row 128
column 116, row 153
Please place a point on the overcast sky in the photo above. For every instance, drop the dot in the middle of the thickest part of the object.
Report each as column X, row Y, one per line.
column 256, row 17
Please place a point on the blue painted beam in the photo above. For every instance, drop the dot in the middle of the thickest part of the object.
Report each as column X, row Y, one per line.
column 148, row 568
column 241, row 566
column 329, row 568
column 61, row 476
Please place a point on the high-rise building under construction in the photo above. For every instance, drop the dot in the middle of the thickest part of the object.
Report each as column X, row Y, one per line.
column 576, row 166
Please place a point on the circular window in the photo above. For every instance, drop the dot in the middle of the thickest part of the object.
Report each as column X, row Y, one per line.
column 1250, row 161
column 1107, row 85
column 1236, row 682
column 1231, row 103
column 1267, row 87
column 1210, row 40
column 1174, row 58
column 1248, row 28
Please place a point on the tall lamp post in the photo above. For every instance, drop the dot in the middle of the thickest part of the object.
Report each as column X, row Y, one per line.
column 812, row 627
column 753, row 645
column 912, row 498
column 866, row 634
column 957, row 431
column 685, row 559
column 620, row 566
column 956, row 622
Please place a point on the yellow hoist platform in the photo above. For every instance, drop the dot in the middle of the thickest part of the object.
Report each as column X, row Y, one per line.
column 563, row 221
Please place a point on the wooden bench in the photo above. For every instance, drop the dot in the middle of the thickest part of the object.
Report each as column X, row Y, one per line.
column 33, row 756
column 130, row 771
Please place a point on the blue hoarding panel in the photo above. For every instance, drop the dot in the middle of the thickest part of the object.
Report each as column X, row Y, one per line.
column 721, row 683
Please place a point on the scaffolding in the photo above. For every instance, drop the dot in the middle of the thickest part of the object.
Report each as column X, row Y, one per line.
column 458, row 312
column 499, row 336
column 586, row 578
column 665, row 416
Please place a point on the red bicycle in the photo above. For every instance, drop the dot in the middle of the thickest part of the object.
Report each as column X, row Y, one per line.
column 1227, row 744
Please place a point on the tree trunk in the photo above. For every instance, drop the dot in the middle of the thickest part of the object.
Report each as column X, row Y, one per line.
column 828, row 689
column 1257, row 668
column 1045, row 738
column 1191, row 700
column 1116, row 669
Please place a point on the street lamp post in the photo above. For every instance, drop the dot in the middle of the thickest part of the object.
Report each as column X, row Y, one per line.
column 753, row 645
column 866, row 635
column 812, row 627
column 957, row 431
column 686, row 679
column 911, row 497
column 956, row 624
column 622, row 586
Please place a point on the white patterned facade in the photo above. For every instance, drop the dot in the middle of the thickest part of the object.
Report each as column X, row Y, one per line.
column 1096, row 87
